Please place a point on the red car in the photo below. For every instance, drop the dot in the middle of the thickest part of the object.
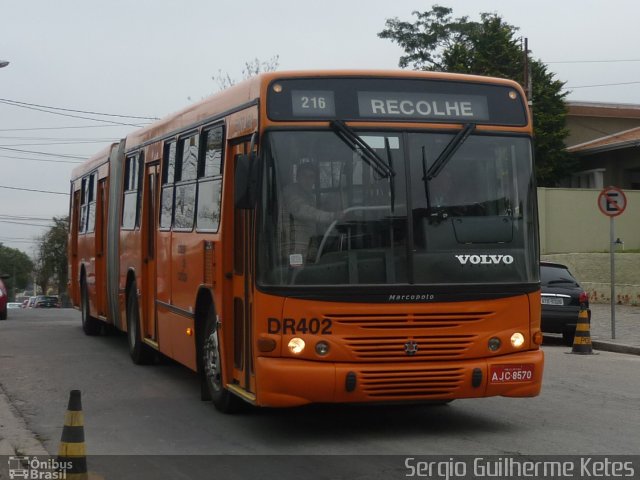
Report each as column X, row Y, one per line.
column 3, row 298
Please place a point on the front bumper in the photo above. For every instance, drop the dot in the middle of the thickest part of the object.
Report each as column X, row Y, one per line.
column 287, row 382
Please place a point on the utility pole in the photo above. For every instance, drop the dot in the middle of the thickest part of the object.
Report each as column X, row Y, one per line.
column 527, row 74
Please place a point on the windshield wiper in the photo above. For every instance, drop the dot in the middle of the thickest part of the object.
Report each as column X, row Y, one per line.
column 448, row 152
column 392, row 182
column 425, row 180
column 367, row 153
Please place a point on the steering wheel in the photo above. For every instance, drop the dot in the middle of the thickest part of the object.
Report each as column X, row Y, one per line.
column 337, row 221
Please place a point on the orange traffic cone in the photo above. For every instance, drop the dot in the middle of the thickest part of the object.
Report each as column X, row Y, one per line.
column 582, row 339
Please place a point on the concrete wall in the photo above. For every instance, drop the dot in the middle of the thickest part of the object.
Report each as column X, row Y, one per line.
column 593, row 272
column 570, row 221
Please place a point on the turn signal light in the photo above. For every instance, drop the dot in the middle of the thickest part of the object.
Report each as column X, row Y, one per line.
column 537, row 338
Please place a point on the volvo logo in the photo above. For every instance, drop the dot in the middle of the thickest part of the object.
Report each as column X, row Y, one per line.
column 411, row 347
column 485, row 259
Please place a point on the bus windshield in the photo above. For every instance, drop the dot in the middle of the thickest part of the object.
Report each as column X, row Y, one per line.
column 379, row 209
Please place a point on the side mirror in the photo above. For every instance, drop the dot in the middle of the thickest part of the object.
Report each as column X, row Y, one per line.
column 247, row 181
column 248, row 175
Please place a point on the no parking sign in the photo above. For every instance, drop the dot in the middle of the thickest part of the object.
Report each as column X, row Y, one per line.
column 612, row 201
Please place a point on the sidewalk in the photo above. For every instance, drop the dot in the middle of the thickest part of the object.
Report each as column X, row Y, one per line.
column 627, row 327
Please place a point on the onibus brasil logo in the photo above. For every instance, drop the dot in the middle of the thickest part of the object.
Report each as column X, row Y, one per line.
column 37, row 469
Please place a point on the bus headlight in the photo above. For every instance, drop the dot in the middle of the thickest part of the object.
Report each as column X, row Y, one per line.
column 517, row 339
column 296, row 345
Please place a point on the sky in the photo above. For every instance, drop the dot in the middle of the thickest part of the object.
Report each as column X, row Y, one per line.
column 148, row 58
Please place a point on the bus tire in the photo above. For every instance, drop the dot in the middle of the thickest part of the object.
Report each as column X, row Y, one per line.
column 140, row 353
column 90, row 326
column 223, row 399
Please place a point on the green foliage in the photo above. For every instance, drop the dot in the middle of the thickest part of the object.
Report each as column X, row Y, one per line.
column 439, row 42
column 18, row 265
column 52, row 260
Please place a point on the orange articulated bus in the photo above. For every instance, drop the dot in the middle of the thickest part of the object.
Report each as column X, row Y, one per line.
column 340, row 236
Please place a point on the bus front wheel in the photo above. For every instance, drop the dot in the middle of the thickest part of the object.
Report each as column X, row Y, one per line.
column 223, row 400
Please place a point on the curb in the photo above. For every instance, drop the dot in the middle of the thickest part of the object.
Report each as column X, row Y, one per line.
column 615, row 347
column 16, row 437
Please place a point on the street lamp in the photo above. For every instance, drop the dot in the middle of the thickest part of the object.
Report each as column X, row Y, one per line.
column 3, row 63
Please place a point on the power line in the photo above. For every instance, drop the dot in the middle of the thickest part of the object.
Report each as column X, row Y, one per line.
column 54, row 128
column 30, row 190
column 17, row 103
column 602, row 85
column 43, row 153
column 596, row 61
column 24, row 159
column 24, row 217
column 27, row 224
column 77, row 142
column 67, row 139
column 113, row 122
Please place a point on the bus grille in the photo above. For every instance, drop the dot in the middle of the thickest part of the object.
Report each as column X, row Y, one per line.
column 433, row 347
column 419, row 382
column 413, row 321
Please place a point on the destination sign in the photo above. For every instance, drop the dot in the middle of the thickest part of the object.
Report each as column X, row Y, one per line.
column 395, row 99
column 423, row 106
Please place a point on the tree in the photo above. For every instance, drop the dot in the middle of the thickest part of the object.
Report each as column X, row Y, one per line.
column 51, row 261
column 251, row 69
column 438, row 42
column 18, row 265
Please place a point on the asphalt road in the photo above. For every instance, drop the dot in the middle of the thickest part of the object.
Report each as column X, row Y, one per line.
column 586, row 406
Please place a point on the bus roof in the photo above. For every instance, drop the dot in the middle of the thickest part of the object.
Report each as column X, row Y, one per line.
column 93, row 162
column 248, row 91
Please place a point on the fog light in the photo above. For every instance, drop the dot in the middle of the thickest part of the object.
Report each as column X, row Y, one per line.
column 517, row 339
column 296, row 345
column 494, row 344
column 322, row 348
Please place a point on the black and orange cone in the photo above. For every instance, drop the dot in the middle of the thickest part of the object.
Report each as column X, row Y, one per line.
column 582, row 339
column 72, row 455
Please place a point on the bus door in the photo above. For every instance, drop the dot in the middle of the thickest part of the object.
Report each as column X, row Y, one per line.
column 243, row 271
column 100, row 232
column 149, row 248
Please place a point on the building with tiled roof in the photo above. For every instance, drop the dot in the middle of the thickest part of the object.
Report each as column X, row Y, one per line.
column 606, row 138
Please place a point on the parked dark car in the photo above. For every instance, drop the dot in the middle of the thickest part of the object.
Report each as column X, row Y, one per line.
column 3, row 298
column 46, row 301
column 562, row 297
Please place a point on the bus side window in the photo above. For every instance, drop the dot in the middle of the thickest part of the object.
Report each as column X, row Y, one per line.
column 83, row 206
column 131, row 180
column 210, row 181
column 90, row 222
column 168, row 179
column 186, row 183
